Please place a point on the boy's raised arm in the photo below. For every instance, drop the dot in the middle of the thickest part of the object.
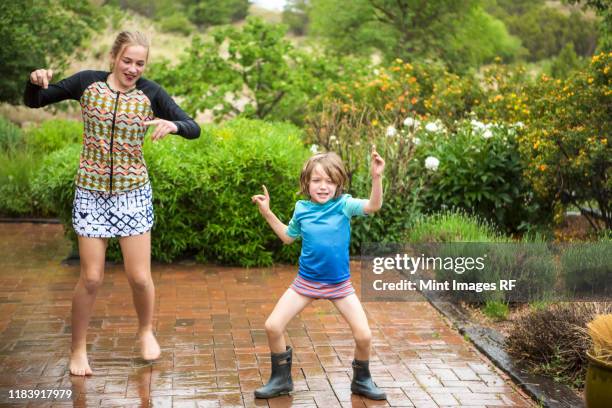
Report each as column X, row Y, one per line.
column 263, row 204
column 376, row 196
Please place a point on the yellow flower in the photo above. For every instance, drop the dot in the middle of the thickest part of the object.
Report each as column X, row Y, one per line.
column 498, row 98
column 543, row 167
column 375, row 122
column 412, row 80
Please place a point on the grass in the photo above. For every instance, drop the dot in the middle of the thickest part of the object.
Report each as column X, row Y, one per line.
column 496, row 310
column 453, row 227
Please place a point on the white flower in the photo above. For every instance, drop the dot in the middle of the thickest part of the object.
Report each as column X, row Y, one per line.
column 432, row 163
column 487, row 134
column 411, row 122
column 391, row 131
column 519, row 125
column 376, row 71
column 332, row 138
column 432, row 127
column 314, row 149
column 477, row 125
column 416, row 141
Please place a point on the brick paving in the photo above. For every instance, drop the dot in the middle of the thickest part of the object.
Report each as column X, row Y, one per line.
column 209, row 322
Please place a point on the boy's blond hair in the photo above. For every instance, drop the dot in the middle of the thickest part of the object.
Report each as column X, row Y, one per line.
column 332, row 165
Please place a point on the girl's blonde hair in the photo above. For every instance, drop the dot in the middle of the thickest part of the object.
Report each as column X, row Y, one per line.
column 125, row 39
column 332, row 165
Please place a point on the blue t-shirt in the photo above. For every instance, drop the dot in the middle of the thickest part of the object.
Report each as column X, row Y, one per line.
column 326, row 233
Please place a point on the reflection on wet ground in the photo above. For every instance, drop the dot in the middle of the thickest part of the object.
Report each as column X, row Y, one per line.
column 209, row 322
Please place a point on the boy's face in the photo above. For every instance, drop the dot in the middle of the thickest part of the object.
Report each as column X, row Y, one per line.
column 321, row 187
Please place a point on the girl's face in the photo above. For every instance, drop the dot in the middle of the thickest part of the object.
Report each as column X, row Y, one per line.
column 130, row 65
column 321, row 188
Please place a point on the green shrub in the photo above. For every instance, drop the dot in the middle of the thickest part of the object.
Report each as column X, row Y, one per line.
column 17, row 166
column 204, row 188
column 53, row 135
column 176, row 23
column 16, row 172
column 202, row 191
column 587, row 268
column 53, row 183
column 480, row 172
column 11, row 137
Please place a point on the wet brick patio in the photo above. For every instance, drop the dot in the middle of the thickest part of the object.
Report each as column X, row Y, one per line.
column 209, row 322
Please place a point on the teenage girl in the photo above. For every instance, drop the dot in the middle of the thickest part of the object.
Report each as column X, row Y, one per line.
column 113, row 195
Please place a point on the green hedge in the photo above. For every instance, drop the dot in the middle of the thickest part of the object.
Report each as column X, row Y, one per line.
column 202, row 191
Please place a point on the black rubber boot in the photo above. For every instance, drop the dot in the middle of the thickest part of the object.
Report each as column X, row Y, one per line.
column 362, row 381
column 280, row 382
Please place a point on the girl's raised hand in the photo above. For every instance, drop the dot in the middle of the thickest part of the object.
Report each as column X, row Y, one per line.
column 262, row 201
column 163, row 128
column 377, row 166
column 41, row 77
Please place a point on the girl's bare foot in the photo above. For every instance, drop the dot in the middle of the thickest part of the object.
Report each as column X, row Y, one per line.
column 79, row 364
column 149, row 348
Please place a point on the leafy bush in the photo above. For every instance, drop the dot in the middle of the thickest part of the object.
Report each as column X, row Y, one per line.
column 480, row 171
column 552, row 340
column 22, row 159
column 53, row 135
column 202, row 191
column 11, row 136
column 16, row 171
column 176, row 23
column 53, row 183
column 567, row 142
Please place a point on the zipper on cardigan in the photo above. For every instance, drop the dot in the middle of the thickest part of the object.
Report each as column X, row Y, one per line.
column 112, row 140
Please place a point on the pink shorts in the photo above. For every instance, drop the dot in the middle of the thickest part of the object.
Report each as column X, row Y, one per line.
column 319, row 290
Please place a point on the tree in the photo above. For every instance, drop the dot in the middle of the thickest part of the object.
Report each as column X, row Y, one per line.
column 39, row 34
column 409, row 29
column 251, row 71
column 603, row 8
column 295, row 15
column 206, row 13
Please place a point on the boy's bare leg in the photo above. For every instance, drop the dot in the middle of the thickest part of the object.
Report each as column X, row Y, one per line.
column 287, row 307
column 136, row 252
column 350, row 308
column 92, row 253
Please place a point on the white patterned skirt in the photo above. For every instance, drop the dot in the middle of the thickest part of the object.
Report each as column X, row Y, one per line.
column 101, row 215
